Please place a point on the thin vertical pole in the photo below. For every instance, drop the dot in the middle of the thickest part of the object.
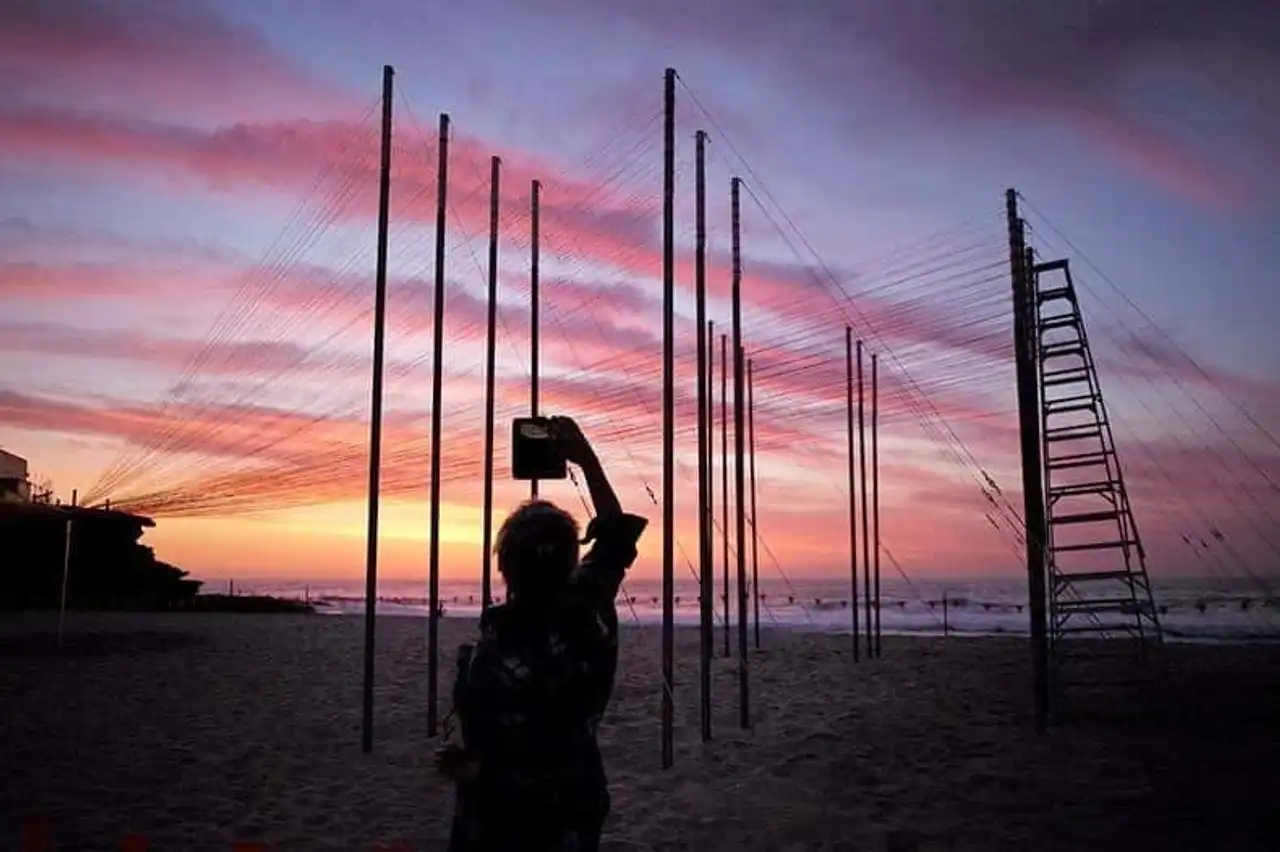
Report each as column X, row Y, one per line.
column 724, row 477
column 535, row 204
column 866, row 533
column 875, row 490
column 740, row 535
column 706, row 588
column 668, row 416
column 437, row 375
column 491, row 336
column 711, row 479
column 66, row 573
column 1032, row 473
column 375, row 415
column 755, row 529
column 853, row 501
column 66, row 568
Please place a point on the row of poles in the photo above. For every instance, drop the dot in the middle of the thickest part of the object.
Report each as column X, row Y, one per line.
column 744, row 438
column 375, row 424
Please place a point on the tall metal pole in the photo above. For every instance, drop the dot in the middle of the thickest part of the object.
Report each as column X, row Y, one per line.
column 711, row 479
column 866, row 533
column 491, row 336
column 66, row 567
column 755, row 529
column 437, row 377
column 66, row 572
column 535, row 203
column 724, row 477
column 740, row 535
column 1032, row 472
column 853, row 501
column 375, row 415
column 706, row 589
column 875, row 491
column 668, row 416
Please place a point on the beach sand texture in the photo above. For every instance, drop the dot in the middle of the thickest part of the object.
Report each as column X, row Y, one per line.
column 197, row 730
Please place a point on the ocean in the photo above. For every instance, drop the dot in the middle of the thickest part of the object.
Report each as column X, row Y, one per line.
column 1190, row 610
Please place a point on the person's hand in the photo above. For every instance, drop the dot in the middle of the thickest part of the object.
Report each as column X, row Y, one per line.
column 573, row 444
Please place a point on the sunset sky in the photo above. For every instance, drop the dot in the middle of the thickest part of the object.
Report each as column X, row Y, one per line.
column 187, row 220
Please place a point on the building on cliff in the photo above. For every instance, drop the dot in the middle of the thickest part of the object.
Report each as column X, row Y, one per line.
column 107, row 568
column 15, row 483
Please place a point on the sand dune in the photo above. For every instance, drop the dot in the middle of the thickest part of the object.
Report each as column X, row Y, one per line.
column 203, row 729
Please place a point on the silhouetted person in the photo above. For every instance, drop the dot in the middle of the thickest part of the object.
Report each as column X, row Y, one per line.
column 531, row 692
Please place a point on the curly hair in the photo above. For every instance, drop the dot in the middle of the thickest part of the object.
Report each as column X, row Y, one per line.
column 537, row 548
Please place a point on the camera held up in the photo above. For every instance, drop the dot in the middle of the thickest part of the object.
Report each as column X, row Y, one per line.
column 535, row 450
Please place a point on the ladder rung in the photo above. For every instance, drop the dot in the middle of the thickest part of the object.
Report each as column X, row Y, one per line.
column 1056, row 293
column 1073, row 427
column 1090, row 398
column 1077, row 489
column 1086, row 517
column 1078, row 460
column 1059, row 381
column 1099, row 545
column 1085, row 430
column 1072, row 436
column 1050, row 266
column 1068, row 409
column 1099, row 605
column 1061, row 350
column 1086, row 576
column 1072, row 376
column 1058, row 321
column 1128, row 627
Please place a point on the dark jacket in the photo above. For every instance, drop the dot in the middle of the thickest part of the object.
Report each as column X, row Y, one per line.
column 529, row 700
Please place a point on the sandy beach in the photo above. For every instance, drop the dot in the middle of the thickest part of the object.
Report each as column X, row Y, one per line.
column 200, row 730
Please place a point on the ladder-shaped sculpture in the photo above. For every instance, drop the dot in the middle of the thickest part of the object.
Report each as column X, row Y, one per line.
column 1097, row 577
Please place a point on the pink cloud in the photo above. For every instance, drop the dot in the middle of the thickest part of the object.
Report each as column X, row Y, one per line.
column 42, row 281
column 246, row 359
column 1154, row 358
column 280, row 157
column 616, row 370
column 285, row 157
column 1159, row 159
column 139, row 423
column 144, row 54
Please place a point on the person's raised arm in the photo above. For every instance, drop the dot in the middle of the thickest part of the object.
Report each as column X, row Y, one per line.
column 578, row 449
column 615, row 532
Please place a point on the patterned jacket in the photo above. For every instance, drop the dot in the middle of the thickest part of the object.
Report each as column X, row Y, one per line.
column 530, row 696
